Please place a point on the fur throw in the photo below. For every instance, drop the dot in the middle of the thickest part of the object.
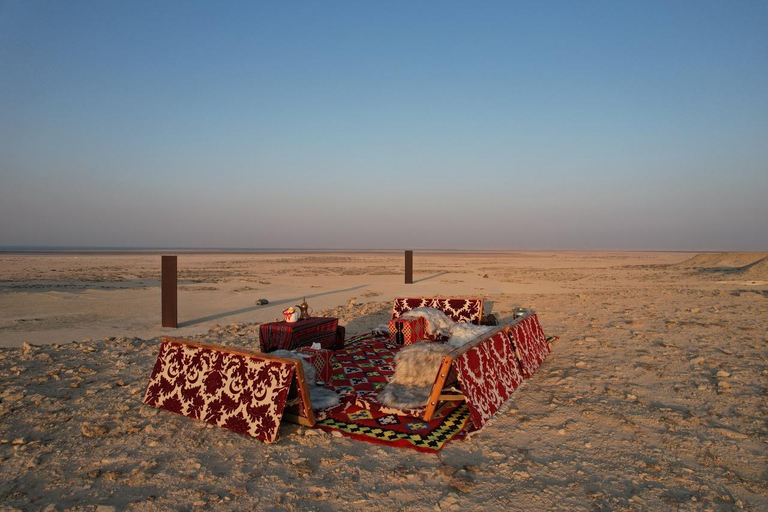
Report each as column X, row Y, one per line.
column 438, row 323
column 322, row 398
column 416, row 368
column 462, row 334
column 416, row 365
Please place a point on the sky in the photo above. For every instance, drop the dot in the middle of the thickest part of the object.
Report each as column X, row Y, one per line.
column 548, row 125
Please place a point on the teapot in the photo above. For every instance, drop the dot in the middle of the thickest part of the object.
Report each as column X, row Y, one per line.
column 305, row 310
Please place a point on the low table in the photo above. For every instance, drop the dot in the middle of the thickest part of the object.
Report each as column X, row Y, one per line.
column 290, row 336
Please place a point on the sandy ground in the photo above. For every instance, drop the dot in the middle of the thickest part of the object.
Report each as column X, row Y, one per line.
column 655, row 397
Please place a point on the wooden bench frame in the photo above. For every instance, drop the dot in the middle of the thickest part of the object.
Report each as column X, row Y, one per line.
column 436, row 397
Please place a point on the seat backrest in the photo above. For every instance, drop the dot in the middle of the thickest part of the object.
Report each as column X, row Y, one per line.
column 457, row 309
column 491, row 367
column 488, row 374
column 243, row 391
column 530, row 343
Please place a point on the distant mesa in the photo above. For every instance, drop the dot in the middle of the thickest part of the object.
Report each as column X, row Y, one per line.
column 756, row 270
column 748, row 265
column 732, row 260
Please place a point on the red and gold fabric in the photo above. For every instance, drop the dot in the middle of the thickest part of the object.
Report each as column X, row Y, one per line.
column 405, row 331
column 488, row 373
column 458, row 310
column 230, row 390
column 321, row 360
column 530, row 342
column 364, row 366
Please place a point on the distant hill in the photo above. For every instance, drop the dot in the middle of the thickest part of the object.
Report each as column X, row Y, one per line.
column 756, row 270
column 724, row 260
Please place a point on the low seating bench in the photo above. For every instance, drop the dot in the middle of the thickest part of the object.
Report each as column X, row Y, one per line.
column 470, row 385
column 491, row 367
column 243, row 391
column 250, row 392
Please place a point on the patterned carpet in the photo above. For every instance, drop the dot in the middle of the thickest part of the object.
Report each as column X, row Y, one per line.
column 364, row 367
column 359, row 372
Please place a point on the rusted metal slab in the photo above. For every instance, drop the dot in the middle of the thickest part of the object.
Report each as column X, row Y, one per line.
column 408, row 267
column 169, row 294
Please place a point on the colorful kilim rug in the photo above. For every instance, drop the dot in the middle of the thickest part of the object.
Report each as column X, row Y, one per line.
column 450, row 422
column 360, row 371
column 364, row 366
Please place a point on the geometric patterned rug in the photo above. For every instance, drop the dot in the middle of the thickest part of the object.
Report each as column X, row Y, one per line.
column 360, row 371
column 402, row 431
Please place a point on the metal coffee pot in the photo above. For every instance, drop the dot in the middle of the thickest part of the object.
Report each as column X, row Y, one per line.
column 305, row 310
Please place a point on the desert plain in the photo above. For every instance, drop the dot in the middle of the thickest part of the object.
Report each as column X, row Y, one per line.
column 655, row 396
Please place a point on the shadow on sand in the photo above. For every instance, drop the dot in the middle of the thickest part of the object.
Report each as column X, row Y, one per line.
column 366, row 323
column 429, row 277
column 292, row 300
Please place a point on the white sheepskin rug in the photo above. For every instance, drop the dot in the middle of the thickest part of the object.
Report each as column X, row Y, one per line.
column 416, row 365
column 322, row 398
column 439, row 324
column 461, row 334
column 416, row 368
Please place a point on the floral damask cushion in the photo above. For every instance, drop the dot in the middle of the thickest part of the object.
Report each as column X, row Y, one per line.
column 488, row 374
column 531, row 343
column 243, row 393
column 457, row 309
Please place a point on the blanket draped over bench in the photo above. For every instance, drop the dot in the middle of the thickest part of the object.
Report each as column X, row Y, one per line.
column 486, row 371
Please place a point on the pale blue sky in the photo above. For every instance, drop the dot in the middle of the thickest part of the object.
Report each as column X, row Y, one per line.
column 549, row 125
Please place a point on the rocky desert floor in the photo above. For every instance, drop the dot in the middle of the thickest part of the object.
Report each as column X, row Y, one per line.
column 655, row 397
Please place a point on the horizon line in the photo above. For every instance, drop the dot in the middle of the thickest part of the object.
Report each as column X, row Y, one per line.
column 31, row 249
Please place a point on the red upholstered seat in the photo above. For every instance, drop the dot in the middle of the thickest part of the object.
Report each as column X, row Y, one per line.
column 241, row 391
column 457, row 309
column 530, row 342
column 491, row 367
column 488, row 373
